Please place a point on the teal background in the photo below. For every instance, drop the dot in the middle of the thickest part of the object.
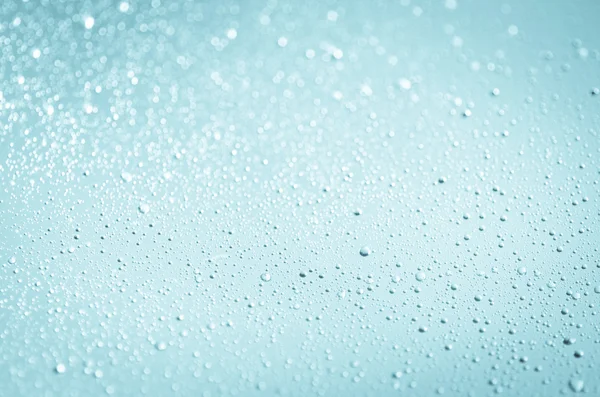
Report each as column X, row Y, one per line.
column 156, row 166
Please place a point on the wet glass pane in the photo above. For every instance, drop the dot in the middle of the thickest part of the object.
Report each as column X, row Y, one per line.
column 299, row 198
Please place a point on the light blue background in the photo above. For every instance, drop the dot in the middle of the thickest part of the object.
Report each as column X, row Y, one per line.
column 249, row 165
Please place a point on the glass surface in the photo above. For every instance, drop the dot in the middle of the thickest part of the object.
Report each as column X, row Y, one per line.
column 299, row 198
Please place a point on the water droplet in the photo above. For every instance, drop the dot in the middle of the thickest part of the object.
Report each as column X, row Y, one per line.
column 420, row 276
column 126, row 176
column 161, row 346
column 282, row 42
column 60, row 368
column 89, row 22
column 231, row 34
column 265, row 277
column 405, row 84
column 576, row 385
column 365, row 251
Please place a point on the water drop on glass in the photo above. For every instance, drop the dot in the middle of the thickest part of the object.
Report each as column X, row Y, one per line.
column 365, row 251
column 265, row 277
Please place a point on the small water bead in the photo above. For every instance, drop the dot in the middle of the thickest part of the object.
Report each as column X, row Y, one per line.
column 231, row 34
column 332, row 16
column 89, row 22
column 266, row 277
column 576, row 385
column 161, row 346
column 522, row 270
column 405, row 84
column 282, row 42
column 420, row 276
column 126, row 176
column 144, row 208
column 60, row 368
column 597, row 289
column 365, row 251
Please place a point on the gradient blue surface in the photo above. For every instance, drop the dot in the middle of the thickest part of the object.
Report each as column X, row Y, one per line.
column 299, row 198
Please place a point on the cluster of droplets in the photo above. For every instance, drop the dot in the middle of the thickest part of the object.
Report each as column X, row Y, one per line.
column 233, row 199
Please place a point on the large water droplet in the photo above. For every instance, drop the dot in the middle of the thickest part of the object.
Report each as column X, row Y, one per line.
column 365, row 251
